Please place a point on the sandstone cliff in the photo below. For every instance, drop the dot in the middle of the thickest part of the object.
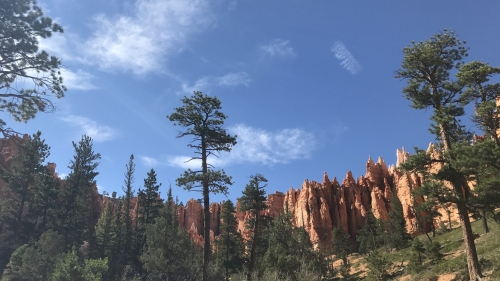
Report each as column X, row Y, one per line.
column 318, row 207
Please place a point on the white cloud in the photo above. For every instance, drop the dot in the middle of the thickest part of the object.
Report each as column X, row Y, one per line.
column 200, row 85
column 62, row 45
column 140, row 42
column 267, row 148
column 58, row 45
column 203, row 84
column 149, row 161
column 98, row 133
column 256, row 146
column 234, row 79
column 345, row 57
column 79, row 80
column 279, row 47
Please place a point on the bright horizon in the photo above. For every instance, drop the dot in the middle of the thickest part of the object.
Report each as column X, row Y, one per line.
column 308, row 87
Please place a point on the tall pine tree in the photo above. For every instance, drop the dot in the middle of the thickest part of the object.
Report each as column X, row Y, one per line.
column 253, row 201
column 201, row 117
column 76, row 196
column 229, row 244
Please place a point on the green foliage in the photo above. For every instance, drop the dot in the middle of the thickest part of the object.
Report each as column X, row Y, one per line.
column 378, row 266
column 426, row 67
column 30, row 207
column 253, row 201
column 282, row 255
column 341, row 245
column 68, row 268
column 230, row 248
column 149, row 200
column 417, row 256
column 115, row 258
column 23, row 24
column 201, row 117
column 367, row 235
column 433, row 252
column 94, row 269
column 169, row 253
column 105, row 232
column 128, row 230
column 474, row 76
column 392, row 233
column 74, row 219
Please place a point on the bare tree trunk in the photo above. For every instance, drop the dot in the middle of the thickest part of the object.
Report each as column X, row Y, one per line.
column 470, row 246
column 251, row 264
column 485, row 221
column 206, row 210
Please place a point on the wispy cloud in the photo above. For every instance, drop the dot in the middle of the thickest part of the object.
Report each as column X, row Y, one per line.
column 140, row 42
column 231, row 79
column 279, row 48
column 149, row 161
column 234, row 79
column 79, row 80
column 268, row 148
column 97, row 132
column 200, row 85
column 254, row 146
column 345, row 57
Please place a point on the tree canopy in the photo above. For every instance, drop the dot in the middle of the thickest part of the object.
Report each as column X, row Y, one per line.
column 23, row 24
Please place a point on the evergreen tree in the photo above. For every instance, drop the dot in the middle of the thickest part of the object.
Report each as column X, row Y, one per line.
column 105, row 232
column 367, row 235
column 127, row 218
column 396, row 226
column 426, row 66
column 116, row 258
column 378, row 266
column 253, row 201
column 68, row 268
column 417, row 256
column 282, row 253
column 230, row 248
column 428, row 210
column 169, row 253
column 202, row 119
column 74, row 216
column 35, row 262
column 149, row 205
column 475, row 76
column 94, row 269
column 23, row 24
column 149, row 200
column 341, row 246
column 32, row 197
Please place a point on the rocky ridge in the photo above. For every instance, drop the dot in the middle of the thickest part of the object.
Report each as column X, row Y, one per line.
column 318, row 207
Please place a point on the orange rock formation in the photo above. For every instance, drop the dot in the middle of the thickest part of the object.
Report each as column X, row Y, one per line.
column 318, row 207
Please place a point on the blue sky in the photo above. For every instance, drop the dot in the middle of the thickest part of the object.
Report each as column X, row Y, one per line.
column 308, row 86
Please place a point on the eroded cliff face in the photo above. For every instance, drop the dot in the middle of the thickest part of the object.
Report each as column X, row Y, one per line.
column 318, row 207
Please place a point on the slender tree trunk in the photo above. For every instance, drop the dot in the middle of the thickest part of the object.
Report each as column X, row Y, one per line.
column 206, row 210
column 470, row 246
column 448, row 212
column 251, row 264
column 485, row 221
column 227, row 256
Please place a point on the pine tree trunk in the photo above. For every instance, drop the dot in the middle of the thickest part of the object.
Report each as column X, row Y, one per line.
column 251, row 264
column 470, row 246
column 206, row 248
column 485, row 221
column 206, row 210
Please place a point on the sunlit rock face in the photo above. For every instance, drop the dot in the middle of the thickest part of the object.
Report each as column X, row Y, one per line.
column 318, row 207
